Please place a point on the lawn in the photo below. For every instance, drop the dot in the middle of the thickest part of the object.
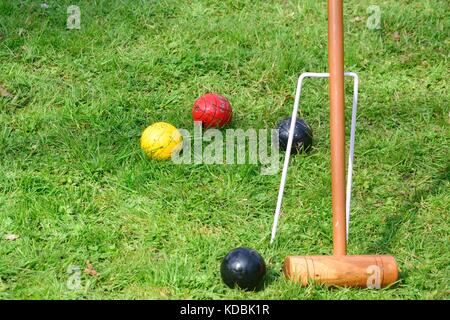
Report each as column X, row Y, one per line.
column 76, row 188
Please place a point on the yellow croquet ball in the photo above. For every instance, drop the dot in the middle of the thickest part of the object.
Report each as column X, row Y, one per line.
column 160, row 139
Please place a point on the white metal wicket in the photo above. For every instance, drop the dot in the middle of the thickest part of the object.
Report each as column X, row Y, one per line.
column 289, row 146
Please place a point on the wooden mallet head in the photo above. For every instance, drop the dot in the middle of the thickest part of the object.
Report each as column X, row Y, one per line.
column 371, row 271
column 365, row 271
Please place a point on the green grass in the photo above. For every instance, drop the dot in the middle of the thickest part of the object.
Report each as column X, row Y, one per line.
column 74, row 185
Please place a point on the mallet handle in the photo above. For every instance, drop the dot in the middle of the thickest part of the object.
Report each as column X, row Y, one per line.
column 337, row 125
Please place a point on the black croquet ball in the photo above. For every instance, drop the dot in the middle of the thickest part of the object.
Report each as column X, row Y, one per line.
column 243, row 268
column 303, row 136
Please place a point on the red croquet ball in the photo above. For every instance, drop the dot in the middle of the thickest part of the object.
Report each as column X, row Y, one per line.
column 213, row 110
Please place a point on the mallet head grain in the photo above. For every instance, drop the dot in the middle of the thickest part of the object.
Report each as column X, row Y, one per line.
column 364, row 271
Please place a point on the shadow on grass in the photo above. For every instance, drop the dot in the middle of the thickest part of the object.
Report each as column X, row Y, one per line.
column 271, row 276
column 408, row 212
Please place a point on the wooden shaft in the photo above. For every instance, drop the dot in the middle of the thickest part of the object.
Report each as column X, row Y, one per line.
column 337, row 126
column 366, row 271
